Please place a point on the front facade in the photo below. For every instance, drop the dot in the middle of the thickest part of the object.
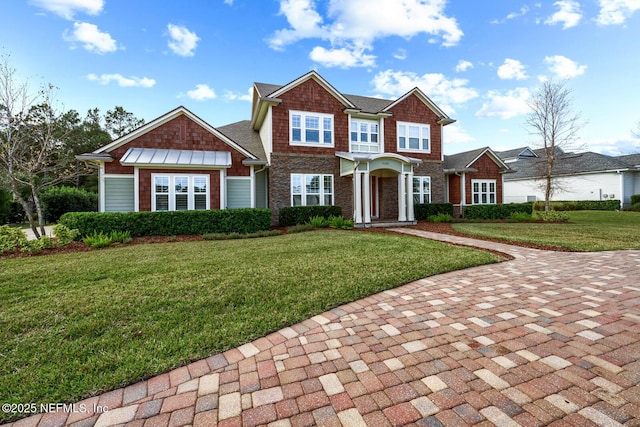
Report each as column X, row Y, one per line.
column 306, row 144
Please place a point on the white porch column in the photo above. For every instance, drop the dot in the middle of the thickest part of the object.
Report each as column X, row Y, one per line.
column 402, row 197
column 357, row 197
column 366, row 188
column 410, row 213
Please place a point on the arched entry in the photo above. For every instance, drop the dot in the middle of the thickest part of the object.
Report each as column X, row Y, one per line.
column 371, row 177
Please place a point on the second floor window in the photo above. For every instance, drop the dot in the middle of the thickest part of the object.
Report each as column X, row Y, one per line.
column 311, row 128
column 414, row 137
column 364, row 136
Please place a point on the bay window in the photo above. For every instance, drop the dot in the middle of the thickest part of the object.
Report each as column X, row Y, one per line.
column 179, row 192
column 311, row 190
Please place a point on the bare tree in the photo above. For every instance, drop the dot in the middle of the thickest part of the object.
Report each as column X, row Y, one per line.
column 33, row 155
column 555, row 126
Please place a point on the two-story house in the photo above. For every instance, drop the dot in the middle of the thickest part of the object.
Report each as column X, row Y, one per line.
column 306, row 144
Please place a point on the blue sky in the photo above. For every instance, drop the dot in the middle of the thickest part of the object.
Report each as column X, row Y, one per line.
column 480, row 61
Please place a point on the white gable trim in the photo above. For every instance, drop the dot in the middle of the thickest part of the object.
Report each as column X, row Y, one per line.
column 322, row 82
column 497, row 160
column 442, row 116
column 165, row 119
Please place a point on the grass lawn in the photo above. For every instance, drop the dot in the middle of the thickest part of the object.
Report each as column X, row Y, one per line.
column 586, row 230
column 73, row 325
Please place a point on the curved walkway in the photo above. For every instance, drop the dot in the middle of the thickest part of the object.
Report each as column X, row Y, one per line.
column 546, row 338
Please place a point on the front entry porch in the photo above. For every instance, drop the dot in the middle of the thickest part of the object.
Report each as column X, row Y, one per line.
column 382, row 188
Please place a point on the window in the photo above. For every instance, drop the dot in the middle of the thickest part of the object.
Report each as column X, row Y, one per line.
column 180, row 192
column 484, row 191
column 311, row 128
column 422, row 189
column 413, row 137
column 364, row 136
column 311, row 190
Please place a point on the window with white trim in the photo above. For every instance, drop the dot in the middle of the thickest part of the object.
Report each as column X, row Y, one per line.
column 364, row 136
column 421, row 189
column 311, row 190
column 310, row 128
column 414, row 137
column 483, row 191
column 179, row 192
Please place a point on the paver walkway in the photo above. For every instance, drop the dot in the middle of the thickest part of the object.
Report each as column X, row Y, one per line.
column 548, row 338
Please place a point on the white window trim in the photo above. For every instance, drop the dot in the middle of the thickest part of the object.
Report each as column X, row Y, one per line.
column 303, row 115
column 421, row 193
column 420, row 126
column 303, row 192
column 368, row 144
column 480, row 192
column 172, row 193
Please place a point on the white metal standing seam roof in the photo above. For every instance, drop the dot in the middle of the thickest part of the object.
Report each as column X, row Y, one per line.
column 176, row 158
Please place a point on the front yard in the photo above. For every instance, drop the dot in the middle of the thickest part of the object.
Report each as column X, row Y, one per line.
column 586, row 231
column 74, row 325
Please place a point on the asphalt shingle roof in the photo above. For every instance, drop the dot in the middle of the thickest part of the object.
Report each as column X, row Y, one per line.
column 462, row 160
column 242, row 134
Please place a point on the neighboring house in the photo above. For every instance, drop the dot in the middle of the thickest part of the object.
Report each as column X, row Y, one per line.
column 474, row 177
column 306, row 144
column 576, row 176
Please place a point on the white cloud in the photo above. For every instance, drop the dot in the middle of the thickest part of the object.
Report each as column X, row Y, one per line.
column 569, row 14
column 523, row 11
column 512, row 69
column 563, row 67
column 232, row 96
column 105, row 79
column 68, row 8
column 202, row 92
column 355, row 24
column 463, row 66
column 182, row 41
column 343, row 57
column 91, row 38
column 505, row 106
column 443, row 91
column 229, row 2
column 455, row 134
column 615, row 146
column 614, row 12
column 400, row 54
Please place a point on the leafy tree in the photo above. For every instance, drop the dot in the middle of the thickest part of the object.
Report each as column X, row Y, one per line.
column 33, row 153
column 120, row 122
column 555, row 126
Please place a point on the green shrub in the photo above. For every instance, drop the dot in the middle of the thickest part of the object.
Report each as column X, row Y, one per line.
column 120, row 236
column 440, row 218
column 231, row 236
column 170, row 223
column 553, row 216
column 36, row 245
column 635, row 199
column 97, row 240
column 423, row 211
column 10, row 238
column 634, row 207
column 318, row 221
column 294, row 215
column 579, row 205
column 299, row 228
column 60, row 200
column 5, row 206
column 497, row 211
column 64, row 235
column 520, row 216
column 339, row 222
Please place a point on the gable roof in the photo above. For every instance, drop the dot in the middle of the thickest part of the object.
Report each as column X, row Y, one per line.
column 443, row 119
column 631, row 159
column 569, row 164
column 242, row 133
column 463, row 162
column 165, row 118
column 516, row 153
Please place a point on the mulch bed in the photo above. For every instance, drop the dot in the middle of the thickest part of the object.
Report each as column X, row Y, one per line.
column 444, row 228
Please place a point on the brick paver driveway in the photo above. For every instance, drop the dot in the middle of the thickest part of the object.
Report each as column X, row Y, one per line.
column 547, row 338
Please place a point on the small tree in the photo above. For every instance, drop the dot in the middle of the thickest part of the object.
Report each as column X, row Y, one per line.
column 120, row 121
column 555, row 126
column 33, row 155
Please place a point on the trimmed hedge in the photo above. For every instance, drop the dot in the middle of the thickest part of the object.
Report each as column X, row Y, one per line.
column 579, row 205
column 425, row 210
column 60, row 200
column 635, row 199
column 498, row 211
column 169, row 223
column 295, row 215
